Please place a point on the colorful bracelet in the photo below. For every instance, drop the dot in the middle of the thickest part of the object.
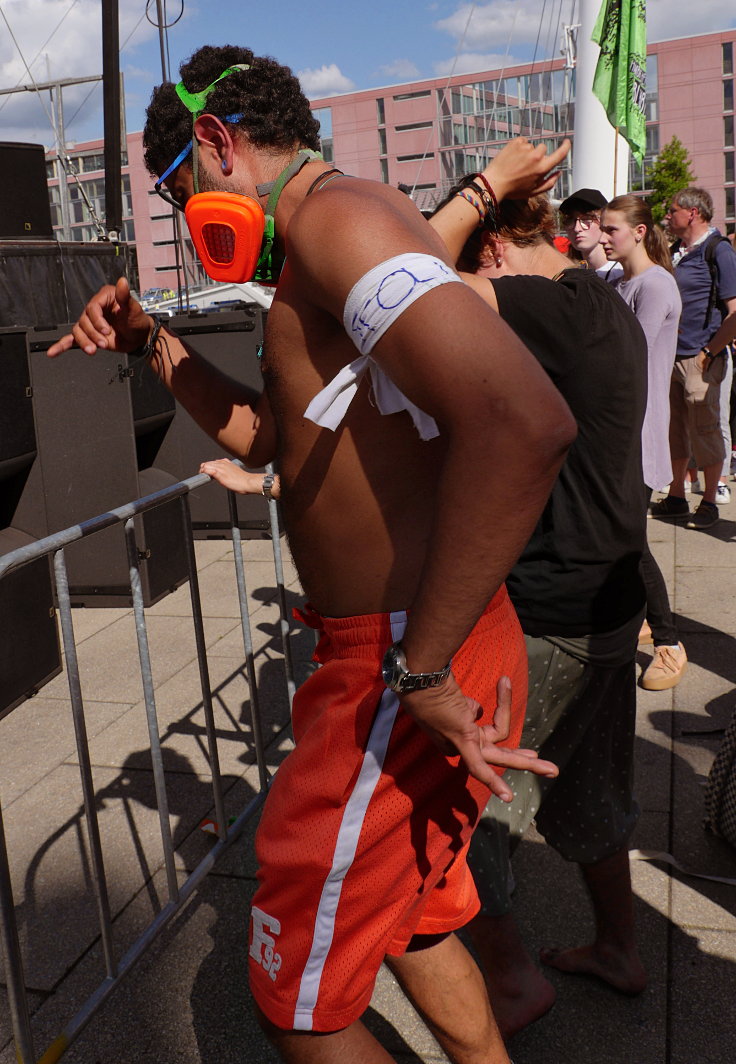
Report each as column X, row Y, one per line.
column 474, row 203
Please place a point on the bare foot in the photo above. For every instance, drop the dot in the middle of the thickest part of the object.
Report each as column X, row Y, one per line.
column 519, row 1000
column 519, row 993
column 623, row 972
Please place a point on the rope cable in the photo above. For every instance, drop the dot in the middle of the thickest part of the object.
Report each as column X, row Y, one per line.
column 41, row 48
column 461, row 42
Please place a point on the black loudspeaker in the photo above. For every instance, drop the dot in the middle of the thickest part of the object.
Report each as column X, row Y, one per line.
column 24, row 194
column 230, row 340
column 44, row 282
column 29, row 641
column 99, row 424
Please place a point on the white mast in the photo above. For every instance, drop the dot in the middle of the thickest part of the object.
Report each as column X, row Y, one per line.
column 594, row 155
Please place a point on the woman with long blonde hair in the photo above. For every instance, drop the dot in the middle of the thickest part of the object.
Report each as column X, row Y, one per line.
column 630, row 236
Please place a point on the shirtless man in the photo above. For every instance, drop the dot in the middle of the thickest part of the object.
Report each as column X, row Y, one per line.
column 362, row 842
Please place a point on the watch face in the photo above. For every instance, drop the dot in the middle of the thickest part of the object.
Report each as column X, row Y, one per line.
column 388, row 668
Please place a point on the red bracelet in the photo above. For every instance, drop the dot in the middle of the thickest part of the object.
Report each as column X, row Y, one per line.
column 491, row 193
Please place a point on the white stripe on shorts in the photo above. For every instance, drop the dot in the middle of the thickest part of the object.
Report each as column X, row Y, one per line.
column 346, row 845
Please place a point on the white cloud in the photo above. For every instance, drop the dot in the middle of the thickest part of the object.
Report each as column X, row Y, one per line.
column 327, row 80
column 495, row 25
column 499, row 24
column 666, row 20
column 400, row 70
column 58, row 39
column 467, row 62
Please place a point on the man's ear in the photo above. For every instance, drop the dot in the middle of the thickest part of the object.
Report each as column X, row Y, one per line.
column 213, row 138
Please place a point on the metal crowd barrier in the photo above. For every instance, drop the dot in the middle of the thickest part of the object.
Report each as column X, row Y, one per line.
column 178, row 895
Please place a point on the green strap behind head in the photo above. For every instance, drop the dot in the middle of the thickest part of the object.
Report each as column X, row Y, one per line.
column 303, row 156
column 266, row 265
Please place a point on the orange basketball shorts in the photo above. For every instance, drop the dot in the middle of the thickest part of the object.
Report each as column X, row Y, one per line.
column 363, row 839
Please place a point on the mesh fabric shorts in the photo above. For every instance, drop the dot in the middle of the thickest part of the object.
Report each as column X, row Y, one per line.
column 364, row 834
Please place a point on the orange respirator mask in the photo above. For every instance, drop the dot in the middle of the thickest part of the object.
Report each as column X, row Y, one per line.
column 233, row 236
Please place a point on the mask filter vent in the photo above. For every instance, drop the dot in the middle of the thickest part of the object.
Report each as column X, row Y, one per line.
column 219, row 240
column 227, row 231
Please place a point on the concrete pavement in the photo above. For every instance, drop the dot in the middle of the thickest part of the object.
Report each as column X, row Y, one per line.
column 187, row 1000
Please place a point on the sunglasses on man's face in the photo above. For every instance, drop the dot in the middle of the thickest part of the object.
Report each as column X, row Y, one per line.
column 158, row 187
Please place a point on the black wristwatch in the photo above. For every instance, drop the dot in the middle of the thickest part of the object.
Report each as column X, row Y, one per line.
column 397, row 677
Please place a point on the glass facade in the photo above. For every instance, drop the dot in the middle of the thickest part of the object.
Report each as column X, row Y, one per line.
column 475, row 120
column 70, row 215
column 324, row 117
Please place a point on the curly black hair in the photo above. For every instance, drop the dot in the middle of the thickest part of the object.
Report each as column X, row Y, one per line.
column 276, row 113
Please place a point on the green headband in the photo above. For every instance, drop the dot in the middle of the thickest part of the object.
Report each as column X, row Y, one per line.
column 196, row 101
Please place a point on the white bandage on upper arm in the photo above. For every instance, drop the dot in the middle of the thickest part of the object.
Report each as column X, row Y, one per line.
column 386, row 291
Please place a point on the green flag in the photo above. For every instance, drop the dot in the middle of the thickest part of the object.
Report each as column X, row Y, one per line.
column 620, row 75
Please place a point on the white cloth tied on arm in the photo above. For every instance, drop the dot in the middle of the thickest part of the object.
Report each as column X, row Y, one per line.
column 373, row 304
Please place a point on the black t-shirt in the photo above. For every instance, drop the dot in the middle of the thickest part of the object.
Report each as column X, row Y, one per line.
column 579, row 573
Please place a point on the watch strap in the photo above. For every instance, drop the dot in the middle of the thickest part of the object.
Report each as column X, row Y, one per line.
column 397, row 677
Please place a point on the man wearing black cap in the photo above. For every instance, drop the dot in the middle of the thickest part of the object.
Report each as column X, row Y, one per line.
column 581, row 220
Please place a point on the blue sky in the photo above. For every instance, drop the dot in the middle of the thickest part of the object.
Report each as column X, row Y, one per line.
column 332, row 45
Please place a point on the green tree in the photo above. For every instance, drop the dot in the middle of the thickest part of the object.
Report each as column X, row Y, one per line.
column 671, row 173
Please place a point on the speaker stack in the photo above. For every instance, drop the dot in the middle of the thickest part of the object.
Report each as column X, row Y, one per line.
column 29, row 642
column 100, row 422
column 231, row 341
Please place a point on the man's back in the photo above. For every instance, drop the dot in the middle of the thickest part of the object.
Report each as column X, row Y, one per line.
column 579, row 573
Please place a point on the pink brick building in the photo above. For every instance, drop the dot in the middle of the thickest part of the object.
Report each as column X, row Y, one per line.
column 425, row 134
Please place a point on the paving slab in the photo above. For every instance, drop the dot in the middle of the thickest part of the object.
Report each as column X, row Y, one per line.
column 43, row 728
column 702, row 992
column 109, row 664
column 50, row 863
column 701, row 594
column 181, row 718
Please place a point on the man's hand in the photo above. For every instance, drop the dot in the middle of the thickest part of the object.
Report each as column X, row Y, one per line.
column 449, row 718
column 521, row 170
column 112, row 320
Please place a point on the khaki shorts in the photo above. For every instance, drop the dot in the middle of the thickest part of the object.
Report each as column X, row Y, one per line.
column 695, row 426
column 582, row 717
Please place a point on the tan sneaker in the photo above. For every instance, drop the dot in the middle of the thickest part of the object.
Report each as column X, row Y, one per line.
column 666, row 670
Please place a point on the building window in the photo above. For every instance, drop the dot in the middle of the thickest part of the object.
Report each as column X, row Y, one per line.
column 727, row 50
column 652, row 140
column 413, row 125
column 414, row 158
column 728, row 131
column 382, row 147
column 731, row 202
column 324, row 116
column 728, row 95
column 729, row 168
column 384, row 171
column 413, row 95
column 381, row 111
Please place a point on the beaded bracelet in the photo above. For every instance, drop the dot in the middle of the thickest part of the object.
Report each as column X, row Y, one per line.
column 474, row 203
